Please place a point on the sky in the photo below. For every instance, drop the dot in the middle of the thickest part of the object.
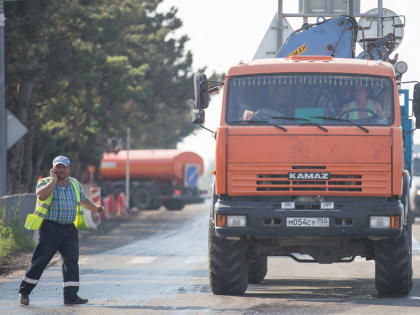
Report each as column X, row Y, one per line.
column 224, row 32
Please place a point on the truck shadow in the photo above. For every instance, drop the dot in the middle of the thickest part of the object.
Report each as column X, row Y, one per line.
column 355, row 291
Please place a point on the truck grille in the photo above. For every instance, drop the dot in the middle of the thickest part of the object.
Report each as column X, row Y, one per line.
column 343, row 180
column 270, row 182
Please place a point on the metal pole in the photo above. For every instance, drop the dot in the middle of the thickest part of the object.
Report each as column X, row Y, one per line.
column 351, row 7
column 127, row 170
column 380, row 15
column 279, row 24
column 3, row 120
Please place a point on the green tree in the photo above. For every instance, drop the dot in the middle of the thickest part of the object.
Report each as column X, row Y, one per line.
column 79, row 72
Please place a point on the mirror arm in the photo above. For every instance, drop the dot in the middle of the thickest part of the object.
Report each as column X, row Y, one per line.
column 211, row 131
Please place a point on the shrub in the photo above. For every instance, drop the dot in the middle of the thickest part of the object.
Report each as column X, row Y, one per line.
column 12, row 239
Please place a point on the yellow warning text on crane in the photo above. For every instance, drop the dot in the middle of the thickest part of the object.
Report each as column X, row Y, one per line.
column 298, row 51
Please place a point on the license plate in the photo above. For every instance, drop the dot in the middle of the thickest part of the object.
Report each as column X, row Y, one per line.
column 308, row 222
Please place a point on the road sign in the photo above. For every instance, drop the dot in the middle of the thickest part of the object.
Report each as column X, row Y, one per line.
column 268, row 46
column 191, row 174
column 15, row 129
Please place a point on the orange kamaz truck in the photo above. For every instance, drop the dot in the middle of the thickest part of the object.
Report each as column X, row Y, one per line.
column 310, row 164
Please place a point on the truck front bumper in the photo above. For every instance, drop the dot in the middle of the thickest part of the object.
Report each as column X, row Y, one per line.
column 350, row 218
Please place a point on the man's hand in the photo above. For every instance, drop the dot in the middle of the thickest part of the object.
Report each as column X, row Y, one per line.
column 53, row 175
column 248, row 114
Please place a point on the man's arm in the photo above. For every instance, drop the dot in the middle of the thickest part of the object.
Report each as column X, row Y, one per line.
column 43, row 192
column 345, row 107
column 91, row 206
column 379, row 110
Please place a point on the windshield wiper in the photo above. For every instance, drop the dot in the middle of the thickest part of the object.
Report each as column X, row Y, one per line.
column 342, row 119
column 289, row 118
column 310, row 123
column 258, row 121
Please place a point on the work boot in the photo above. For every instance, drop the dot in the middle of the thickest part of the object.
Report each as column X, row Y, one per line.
column 76, row 300
column 23, row 299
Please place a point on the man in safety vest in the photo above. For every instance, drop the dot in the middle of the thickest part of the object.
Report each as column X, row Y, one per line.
column 362, row 107
column 58, row 215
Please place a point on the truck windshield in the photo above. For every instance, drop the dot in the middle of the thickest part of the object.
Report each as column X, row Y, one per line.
column 326, row 99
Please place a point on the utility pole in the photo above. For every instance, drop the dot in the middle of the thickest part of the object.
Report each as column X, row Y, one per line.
column 127, row 169
column 380, row 16
column 351, row 8
column 279, row 24
column 3, row 128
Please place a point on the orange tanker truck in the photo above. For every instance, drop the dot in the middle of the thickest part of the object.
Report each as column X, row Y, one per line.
column 157, row 177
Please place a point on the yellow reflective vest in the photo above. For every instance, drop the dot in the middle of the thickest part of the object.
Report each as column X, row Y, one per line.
column 34, row 220
column 355, row 115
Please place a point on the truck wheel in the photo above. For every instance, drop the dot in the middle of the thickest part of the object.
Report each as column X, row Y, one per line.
column 257, row 269
column 228, row 265
column 142, row 198
column 393, row 264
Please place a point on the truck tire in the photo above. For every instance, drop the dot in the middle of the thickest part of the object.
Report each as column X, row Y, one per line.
column 173, row 204
column 257, row 269
column 393, row 264
column 142, row 198
column 228, row 265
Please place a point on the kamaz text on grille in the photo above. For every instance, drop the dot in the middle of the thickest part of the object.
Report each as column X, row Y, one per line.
column 309, row 176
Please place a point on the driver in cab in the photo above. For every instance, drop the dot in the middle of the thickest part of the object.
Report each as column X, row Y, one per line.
column 362, row 107
column 275, row 105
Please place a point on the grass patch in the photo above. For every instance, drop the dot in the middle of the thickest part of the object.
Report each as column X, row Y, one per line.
column 12, row 239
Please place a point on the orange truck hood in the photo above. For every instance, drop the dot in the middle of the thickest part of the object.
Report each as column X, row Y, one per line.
column 259, row 164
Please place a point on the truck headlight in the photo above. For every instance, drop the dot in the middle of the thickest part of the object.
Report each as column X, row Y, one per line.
column 236, row 221
column 385, row 222
column 418, row 192
column 379, row 222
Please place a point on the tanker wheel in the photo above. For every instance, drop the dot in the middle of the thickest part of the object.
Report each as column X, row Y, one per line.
column 173, row 204
column 257, row 269
column 142, row 198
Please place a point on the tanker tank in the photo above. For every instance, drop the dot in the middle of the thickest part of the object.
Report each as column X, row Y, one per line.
column 157, row 177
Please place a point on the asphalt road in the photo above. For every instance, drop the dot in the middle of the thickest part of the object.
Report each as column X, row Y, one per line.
column 165, row 271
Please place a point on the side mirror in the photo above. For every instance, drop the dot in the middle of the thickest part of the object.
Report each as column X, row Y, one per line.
column 201, row 91
column 416, row 104
column 198, row 116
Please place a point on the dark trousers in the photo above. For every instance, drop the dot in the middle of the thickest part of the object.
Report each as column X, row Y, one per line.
column 55, row 237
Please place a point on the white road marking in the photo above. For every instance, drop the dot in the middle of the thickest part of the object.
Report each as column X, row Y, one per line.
column 414, row 297
column 195, row 260
column 83, row 261
column 142, row 260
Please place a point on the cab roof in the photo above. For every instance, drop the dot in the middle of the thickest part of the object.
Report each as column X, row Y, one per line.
column 318, row 64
